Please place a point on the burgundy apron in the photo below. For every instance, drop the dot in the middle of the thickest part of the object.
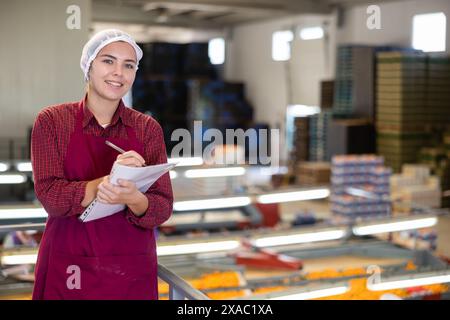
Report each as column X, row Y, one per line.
column 115, row 259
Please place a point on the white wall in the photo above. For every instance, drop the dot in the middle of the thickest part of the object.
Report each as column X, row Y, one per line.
column 39, row 59
column 396, row 22
column 249, row 53
column 308, row 68
column 249, row 60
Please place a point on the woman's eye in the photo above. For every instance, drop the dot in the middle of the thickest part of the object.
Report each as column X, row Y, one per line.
column 108, row 61
column 130, row 66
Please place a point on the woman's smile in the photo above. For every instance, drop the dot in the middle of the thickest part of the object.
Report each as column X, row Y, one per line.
column 115, row 84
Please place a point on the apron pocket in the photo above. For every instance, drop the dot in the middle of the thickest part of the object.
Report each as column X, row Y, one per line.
column 71, row 277
column 121, row 277
column 129, row 277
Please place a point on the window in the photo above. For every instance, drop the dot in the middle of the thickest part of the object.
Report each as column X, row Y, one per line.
column 281, row 48
column 311, row 33
column 429, row 32
column 216, row 51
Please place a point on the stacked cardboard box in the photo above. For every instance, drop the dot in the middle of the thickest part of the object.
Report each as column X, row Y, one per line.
column 446, row 168
column 318, row 126
column 443, row 172
column 354, row 84
column 438, row 159
column 438, row 93
column 400, row 105
column 326, row 94
column 415, row 186
column 364, row 173
column 432, row 156
column 313, row 173
column 447, row 143
column 300, row 149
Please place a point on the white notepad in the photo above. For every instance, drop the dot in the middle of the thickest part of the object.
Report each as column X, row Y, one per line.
column 144, row 177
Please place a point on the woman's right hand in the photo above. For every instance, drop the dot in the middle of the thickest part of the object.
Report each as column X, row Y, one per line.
column 131, row 158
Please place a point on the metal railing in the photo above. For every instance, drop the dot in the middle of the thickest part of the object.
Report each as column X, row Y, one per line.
column 179, row 289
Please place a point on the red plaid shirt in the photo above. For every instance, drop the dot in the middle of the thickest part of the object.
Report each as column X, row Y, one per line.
column 50, row 138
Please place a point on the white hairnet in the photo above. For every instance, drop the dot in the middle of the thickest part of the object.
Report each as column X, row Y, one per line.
column 99, row 41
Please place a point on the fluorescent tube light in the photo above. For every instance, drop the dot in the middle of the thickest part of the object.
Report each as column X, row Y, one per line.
column 211, row 203
column 395, row 226
column 313, row 294
column 4, row 166
column 299, row 238
column 188, row 161
column 215, row 172
column 201, row 247
column 24, row 166
column 23, row 213
column 294, row 196
column 197, row 247
column 19, row 259
column 12, row 178
column 408, row 283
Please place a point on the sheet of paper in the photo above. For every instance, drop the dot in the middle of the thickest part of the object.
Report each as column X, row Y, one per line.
column 144, row 177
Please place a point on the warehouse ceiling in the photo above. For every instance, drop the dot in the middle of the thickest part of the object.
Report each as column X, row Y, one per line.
column 208, row 13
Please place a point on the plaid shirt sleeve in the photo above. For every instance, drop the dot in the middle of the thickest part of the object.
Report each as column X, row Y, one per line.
column 159, row 195
column 59, row 197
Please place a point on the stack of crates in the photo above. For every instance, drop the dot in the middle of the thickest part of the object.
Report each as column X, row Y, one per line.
column 447, row 143
column 365, row 173
column 326, row 94
column 432, row 157
column 400, row 105
column 444, row 170
column 344, row 82
column 195, row 61
column 438, row 107
column 300, row 150
column 438, row 93
column 161, row 58
column 354, row 84
column 220, row 105
column 313, row 173
column 318, row 126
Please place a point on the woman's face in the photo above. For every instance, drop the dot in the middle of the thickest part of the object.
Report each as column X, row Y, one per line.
column 113, row 71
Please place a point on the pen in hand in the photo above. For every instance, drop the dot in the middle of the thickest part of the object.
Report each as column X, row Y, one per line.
column 130, row 154
column 112, row 145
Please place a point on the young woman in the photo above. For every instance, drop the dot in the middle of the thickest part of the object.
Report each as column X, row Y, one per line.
column 113, row 257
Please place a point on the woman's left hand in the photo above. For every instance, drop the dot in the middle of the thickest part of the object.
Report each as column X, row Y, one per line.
column 123, row 193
